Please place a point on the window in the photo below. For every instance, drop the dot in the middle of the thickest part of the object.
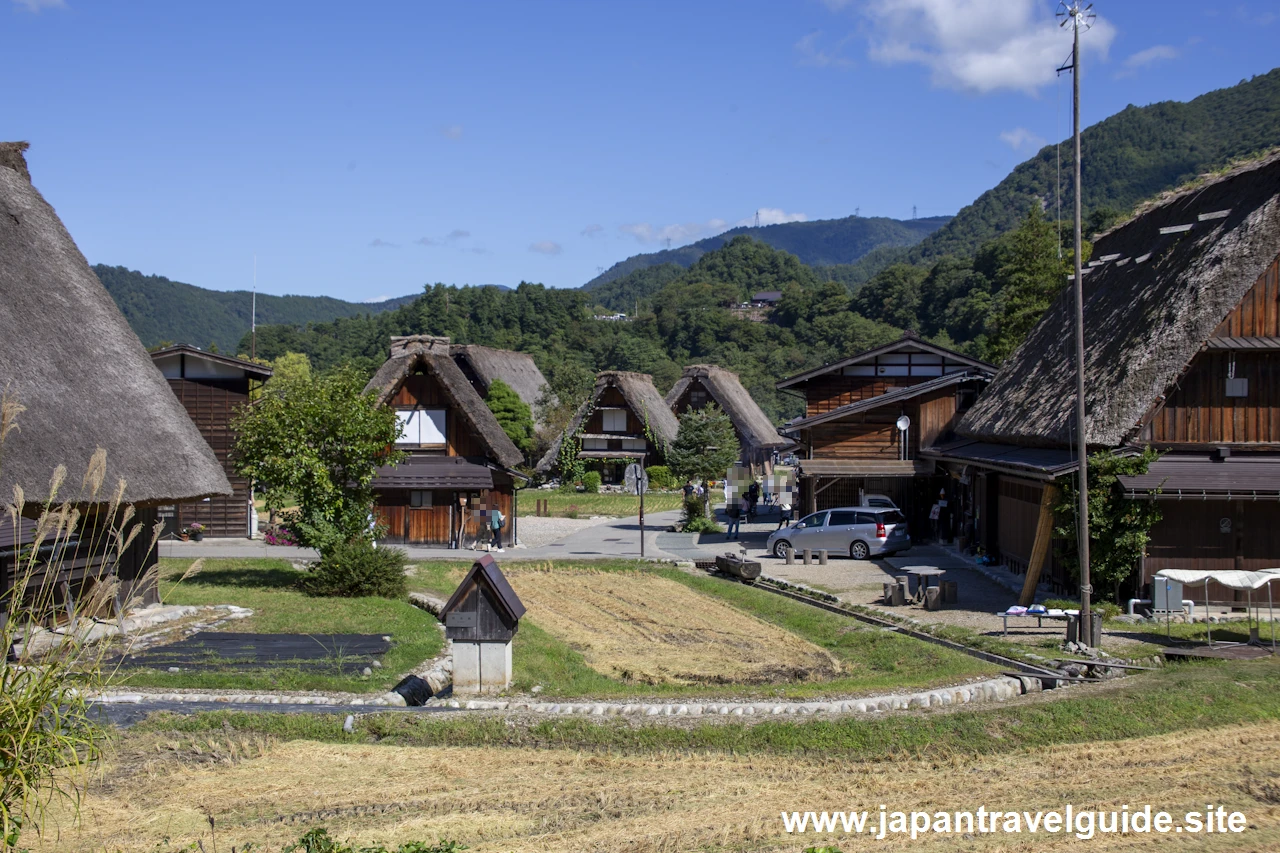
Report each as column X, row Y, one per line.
column 965, row 398
column 891, row 517
column 421, row 426
column 615, row 420
column 697, row 398
column 841, row 518
column 816, row 520
column 867, row 518
column 420, row 498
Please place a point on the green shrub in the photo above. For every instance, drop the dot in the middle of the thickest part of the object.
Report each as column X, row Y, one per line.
column 1109, row 610
column 358, row 569
column 591, row 481
column 694, row 518
column 660, row 477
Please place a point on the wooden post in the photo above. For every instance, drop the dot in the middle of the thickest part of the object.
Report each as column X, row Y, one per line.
column 1040, row 549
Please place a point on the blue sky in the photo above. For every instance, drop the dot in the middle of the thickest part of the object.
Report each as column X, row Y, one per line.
column 360, row 150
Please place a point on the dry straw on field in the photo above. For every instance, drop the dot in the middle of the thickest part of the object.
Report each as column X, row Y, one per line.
column 642, row 627
column 556, row 800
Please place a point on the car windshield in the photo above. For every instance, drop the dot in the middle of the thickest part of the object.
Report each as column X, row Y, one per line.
column 891, row 517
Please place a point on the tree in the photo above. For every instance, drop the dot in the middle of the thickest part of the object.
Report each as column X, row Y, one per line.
column 705, row 447
column 290, row 367
column 1119, row 527
column 1030, row 277
column 513, row 415
column 893, row 296
column 319, row 442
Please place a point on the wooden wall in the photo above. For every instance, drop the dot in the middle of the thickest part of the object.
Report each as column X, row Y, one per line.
column 1190, row 537
column 436, row 524
column 1200, row 412
column 425, row 391
column 211, row 404
column 1258, row 314
column 831, row 392
column 874, row 434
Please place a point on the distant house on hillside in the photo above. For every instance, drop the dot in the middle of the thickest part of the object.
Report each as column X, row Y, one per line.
column 758, row 438
column 211, row 387
column 625, row 420
column 851, row 444
column 766, row 298
column 68, row 356
column 482, row 365
column 461, row 465
column 1182, row 354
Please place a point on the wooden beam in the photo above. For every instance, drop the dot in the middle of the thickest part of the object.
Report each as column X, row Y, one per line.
column 1040, row 549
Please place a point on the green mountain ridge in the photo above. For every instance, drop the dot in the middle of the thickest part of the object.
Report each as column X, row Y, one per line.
column 160, row 310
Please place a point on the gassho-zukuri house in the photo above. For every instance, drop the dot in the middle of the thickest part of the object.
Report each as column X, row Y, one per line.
column 461, row 465
column 758, row 438
column 625, row 420
column 86, row 383
column 1182, row 354
column 868, row 416
column 482, row 365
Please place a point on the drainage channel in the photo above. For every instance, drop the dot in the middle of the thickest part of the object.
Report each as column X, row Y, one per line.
column 989, row 657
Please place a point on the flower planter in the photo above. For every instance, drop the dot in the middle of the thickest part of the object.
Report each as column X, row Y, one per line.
column 199, row 537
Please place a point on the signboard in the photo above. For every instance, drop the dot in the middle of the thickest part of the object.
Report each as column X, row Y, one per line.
column 459, row 619
column 637, row 481
column 935, row 512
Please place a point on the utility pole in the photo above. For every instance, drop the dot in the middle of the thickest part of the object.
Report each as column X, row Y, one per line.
column 253, row 314
column 1080, row 18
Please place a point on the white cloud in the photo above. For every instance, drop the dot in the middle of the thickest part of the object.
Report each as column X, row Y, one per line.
column 379, row 243
column 646, row 233
column 979, row 45
column 592, row 230
column 546, row 247
column 1143, row 58
column 382, row 298
column 453, row 131
column 1020, row 139
column 812, row 52
column 452, row 237
column 773, row 216
column 37, row 6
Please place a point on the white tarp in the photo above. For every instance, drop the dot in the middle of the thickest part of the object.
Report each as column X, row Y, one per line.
column 1230, row 578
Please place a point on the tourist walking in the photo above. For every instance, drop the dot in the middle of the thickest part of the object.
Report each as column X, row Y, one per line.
column 496, row 521
column 784, row 515
column 734, row 513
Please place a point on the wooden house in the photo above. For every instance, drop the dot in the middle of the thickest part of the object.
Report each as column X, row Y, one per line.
column 758, row 438
column 1182, row 353
column 86, row 387
column 460, row 465
column 624, row 420
column 850, row 441
column 482, row 365
column 212, row 387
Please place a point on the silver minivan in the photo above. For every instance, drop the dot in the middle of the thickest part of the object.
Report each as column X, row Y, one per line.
column 860, row 532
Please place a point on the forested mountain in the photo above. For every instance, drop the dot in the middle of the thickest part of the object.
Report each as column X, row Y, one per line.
column 823, row 241
column 161, row 310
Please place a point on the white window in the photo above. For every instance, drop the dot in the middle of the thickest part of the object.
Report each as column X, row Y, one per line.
column 615, row 420
column 422, row 426
column 595, row 444
column 419, row 498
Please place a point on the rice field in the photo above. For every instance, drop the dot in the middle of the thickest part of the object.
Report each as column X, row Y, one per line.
column 642, row 627
column 162, row 790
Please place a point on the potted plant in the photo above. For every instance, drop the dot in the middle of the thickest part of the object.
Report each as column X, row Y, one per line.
column 197, row 531
column 184, row 534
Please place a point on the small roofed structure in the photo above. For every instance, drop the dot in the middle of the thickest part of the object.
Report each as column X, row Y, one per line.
column 68, row 356
column 706, row 383
column 212, row 387
column 481, row 365
column 480, row 620
column 461, row 464
column 624, row 420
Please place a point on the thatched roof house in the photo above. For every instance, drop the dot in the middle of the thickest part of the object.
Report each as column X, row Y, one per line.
column 625, row 417
column 432, row 356
column 703, row 383
column 481, row 365
column 69, row 357
column 1155, row 291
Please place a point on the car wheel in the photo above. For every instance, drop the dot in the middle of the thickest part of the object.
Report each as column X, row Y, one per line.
column 780, row 548
column 859, row 550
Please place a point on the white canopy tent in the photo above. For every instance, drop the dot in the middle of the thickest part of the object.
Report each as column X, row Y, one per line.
column 1232, row 579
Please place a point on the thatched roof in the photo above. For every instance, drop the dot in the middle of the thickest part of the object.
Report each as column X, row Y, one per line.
column 753, row 425
column 1152, row 300
column 69, row 357
column 431, row 355
column 641, row 397
column 517, row 369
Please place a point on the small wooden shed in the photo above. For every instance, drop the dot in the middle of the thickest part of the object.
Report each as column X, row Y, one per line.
column 481, row 618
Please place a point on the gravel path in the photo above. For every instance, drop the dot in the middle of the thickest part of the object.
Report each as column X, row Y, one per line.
column 536, row 532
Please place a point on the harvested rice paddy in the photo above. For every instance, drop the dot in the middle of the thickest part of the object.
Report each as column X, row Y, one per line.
column 643, row 627
column 167, row 785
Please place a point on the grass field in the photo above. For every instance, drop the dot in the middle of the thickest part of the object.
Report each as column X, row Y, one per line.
column 267, row 587
column 556, row 651
column 1176, row 739
column 586, row 504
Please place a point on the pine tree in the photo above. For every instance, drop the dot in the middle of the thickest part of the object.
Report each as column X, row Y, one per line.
column 513, row 414
column 705, row 447
column 1029, row 279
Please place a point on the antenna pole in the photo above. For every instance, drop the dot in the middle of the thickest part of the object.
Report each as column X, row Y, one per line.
column 253, row 314
column 1082, row 436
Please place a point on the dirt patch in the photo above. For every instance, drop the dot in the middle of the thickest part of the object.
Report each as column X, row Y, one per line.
column 645, row 628
column 513, row 800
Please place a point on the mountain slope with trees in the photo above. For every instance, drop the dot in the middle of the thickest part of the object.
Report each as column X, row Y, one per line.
column 160, row 310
